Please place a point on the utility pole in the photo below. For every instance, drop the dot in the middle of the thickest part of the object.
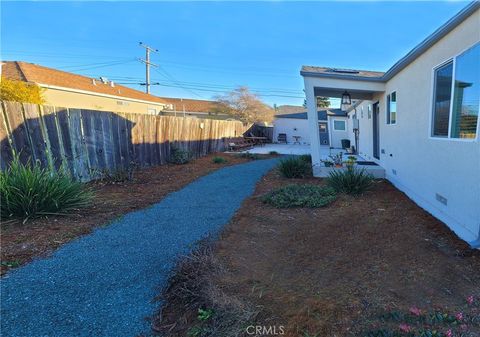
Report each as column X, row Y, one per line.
column 147, row 64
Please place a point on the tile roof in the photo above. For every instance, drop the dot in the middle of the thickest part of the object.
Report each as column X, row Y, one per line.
column 191, row 105
column 34, row 73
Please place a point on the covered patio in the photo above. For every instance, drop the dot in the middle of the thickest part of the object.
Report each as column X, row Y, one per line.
column 355, row 85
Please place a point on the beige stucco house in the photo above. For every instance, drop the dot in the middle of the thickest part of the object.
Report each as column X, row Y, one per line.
column 419, row 120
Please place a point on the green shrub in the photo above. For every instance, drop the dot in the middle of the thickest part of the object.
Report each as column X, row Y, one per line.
column 311, row 196
column 306, row 157
column 273, row 153
column 294, row 167
column 179, row 156
column 248, row 155
column 350, row 181
column 219, row 160
column 28, row 191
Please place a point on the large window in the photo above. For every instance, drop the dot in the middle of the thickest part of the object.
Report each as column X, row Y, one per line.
column 456, row 105
column 392, row 108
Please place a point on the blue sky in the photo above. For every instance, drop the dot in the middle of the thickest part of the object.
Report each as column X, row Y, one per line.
column 207, row 48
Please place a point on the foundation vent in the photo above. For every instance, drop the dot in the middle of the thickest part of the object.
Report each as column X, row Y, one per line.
column 441, row 198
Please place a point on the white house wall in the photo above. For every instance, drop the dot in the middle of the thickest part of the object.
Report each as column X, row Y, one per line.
column 291, row 127
column 421, row 166
column 336, row 136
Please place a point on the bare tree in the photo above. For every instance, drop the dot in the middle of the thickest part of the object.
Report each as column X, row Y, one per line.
column 245, row 106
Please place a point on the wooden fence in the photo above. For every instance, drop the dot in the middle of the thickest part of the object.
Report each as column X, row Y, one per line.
column 90, row 143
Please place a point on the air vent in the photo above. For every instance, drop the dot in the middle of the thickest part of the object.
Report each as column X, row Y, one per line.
column 441, row 198
column 344, row 71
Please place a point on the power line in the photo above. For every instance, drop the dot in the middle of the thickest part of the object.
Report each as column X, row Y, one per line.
column 167, row 74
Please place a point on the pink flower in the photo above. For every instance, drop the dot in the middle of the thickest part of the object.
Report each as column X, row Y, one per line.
column 415, row 311
column 449, row 333
column 459, row 316
column 470, row 299
column 405, row 327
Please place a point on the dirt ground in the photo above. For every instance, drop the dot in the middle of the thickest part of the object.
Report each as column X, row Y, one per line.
column 335, row 271
column 22, row 242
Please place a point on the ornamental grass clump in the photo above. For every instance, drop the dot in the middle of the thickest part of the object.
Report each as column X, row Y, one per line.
column 295, row 167
column 310, row 196
column 29, row 191
column 351, row 181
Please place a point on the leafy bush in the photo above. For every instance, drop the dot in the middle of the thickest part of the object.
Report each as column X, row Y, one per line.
column 179, row 156
column 294, row 167
column 350, row 181
column 306, row 157
column 273, row 153
column 219, row 160
column 311, row 196
column 28, row 191
column 248, row 155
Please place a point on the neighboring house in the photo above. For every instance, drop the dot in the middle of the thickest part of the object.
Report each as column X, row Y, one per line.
column 70, row 90
column 333, row 127
column 66, row 89
column 193, row 108
column 420, row 120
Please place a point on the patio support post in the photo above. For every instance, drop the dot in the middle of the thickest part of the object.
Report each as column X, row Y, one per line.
column 313, row 124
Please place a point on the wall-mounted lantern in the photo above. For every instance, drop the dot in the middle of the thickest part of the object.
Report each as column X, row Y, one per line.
column 346, row 99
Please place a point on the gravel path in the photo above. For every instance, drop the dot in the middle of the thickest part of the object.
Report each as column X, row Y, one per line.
column 103, row 284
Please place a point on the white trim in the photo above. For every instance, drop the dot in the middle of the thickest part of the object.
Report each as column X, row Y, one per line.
column 340, row 120
column 93, row 93
column 388, row 116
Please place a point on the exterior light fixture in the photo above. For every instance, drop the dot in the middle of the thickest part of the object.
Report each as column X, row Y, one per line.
column 346, row 99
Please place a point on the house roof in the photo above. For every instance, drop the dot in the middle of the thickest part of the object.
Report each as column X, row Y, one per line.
column 191, row 105
column 34, row 73
column 336, row 72
column 375, row 76
column 322, row 114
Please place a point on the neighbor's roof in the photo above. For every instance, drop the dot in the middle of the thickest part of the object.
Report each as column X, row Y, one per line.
column 34, row 73
column 376, row 76
column 322, row 114
column 190, row 105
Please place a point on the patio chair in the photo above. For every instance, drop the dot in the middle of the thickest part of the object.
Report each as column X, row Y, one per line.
column 282, row 138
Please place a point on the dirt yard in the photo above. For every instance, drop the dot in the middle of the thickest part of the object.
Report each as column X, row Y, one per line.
column 357, row 267
column 22, row 242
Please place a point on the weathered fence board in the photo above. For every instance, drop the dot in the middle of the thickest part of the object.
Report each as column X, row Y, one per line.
column 89, row 143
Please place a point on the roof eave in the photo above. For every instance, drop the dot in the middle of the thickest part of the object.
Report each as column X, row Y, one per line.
column 413, row 54
column 341, row 77
column 432, row 39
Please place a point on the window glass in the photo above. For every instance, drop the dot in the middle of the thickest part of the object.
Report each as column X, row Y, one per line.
column 393, row 108
column 339, row 125
column 466, row 94
column 441, row 99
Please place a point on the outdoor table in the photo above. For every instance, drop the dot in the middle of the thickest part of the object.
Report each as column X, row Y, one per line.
column 258, row 140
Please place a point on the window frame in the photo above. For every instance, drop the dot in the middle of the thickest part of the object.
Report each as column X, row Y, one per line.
column 388, row 114
column 339, row 120
column 452, row 59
